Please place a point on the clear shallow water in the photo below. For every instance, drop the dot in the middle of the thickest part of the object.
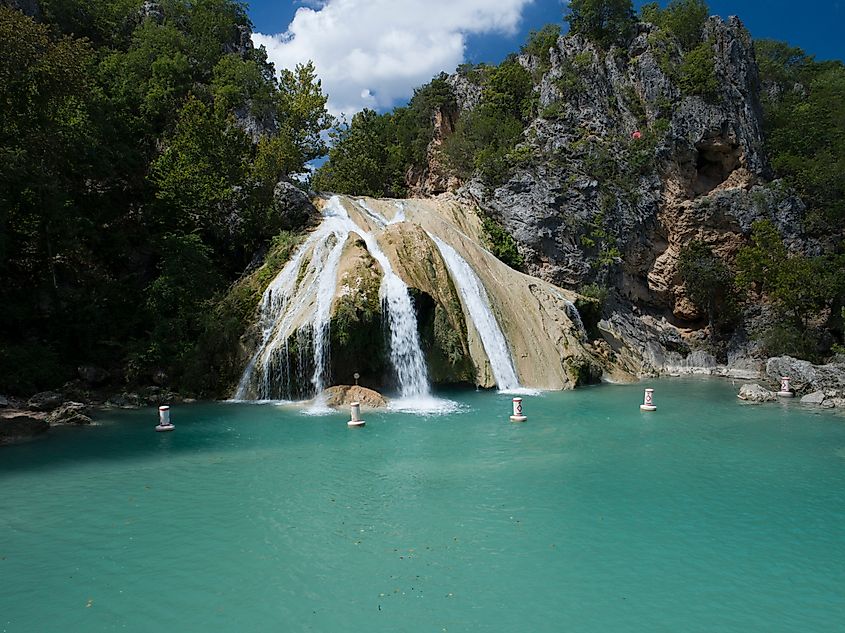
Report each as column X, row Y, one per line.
column 708, row 515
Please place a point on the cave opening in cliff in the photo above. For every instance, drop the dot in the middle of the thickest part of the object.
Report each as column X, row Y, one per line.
column 715, row 162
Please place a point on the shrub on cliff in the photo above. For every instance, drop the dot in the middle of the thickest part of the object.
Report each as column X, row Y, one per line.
column 709, row 283
column 682, row 18
column 606, row 22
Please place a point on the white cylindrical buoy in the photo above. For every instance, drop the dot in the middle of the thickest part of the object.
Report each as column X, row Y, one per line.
column 517, row 411
column 785, row 390
column 164, row 423
column 356, row 415
column 648, row 402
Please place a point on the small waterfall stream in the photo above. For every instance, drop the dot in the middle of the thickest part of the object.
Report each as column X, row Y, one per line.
column 476, row 302
column 295, row 289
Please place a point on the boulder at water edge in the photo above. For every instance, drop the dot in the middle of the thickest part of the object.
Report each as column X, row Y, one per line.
column 19, row 426
column 341, row 396
column 753, row 392
column 70, row 413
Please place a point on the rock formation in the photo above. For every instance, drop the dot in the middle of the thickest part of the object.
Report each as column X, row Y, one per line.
column 625, row 169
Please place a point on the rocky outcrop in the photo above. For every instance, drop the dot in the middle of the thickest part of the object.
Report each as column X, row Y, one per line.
column 293, row 207
column 807, row 378
column 591, row 201
column 703, row 162
column 70, row 413
column 341, row 396
column 45, row 400
column 20, row 426
column 753, row 392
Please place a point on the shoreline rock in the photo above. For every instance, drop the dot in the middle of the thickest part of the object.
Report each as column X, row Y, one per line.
column 343, row 395
column 20, row 426
column 754, row 393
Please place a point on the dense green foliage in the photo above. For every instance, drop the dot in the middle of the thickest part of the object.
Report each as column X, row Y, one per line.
column 681, row 26
column 682, row 18
column 804, row 121
column 709, row 284
column 130, row 192
column 485, row 137
column 806, row 292
column 604, row 21
column 372, row 154
column 502, row 244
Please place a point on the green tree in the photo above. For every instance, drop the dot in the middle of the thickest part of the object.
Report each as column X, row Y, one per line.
column 682, row 18
column 800, row 288
column 804, row 122
column 605, row 21
column 364, row 158
column 540, row 43
column 199, row 171
column 709, row 283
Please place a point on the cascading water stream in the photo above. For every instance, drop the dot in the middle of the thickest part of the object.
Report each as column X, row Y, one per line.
column 290, row 294
column 477, row 304
column 406, row 354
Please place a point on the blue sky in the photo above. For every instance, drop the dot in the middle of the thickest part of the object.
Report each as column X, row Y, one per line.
column 371, row 53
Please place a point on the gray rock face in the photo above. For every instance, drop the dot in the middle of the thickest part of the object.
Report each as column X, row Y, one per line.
column 70, row 413
column 806, row 377
column 293, row 206
column 254, row 126
column 817, row 397
column 467, row 93
column 152, row 10
column 591, row 102
column 753, row 392
column 45, row 400
column 4, row 402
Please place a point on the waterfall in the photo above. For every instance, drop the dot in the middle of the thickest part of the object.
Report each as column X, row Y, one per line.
column 477, row 304
column 406, row 354
column 310, row 283
column 285, row 300
column 575, row 317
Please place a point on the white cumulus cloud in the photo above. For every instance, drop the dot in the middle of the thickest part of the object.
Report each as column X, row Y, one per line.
column 371, row 53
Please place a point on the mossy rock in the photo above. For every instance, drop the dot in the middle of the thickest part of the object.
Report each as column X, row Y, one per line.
column 581, row 371
column 357, row 334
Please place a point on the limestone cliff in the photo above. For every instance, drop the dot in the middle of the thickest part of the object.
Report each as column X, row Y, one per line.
column 623, row 167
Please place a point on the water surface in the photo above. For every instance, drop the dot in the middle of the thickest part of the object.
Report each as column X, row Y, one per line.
column 708, row 515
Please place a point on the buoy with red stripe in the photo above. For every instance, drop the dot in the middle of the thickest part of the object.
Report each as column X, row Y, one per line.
column 164, row 423
column 517, row 411
column 648, row 402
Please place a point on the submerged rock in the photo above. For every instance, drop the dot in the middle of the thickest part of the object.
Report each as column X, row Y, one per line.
column 752, row 392
column 344, row 395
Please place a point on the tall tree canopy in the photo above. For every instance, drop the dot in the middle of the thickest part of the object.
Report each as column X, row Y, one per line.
column 139, row 143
